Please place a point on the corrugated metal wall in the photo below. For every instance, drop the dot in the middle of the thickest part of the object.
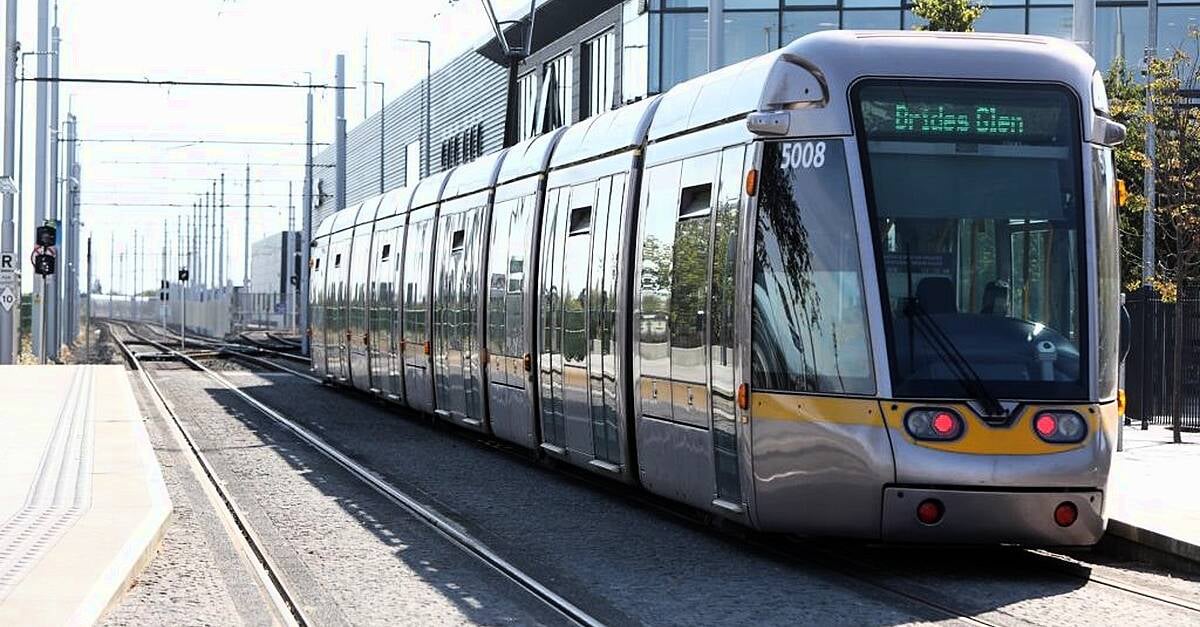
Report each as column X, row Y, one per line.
column 470, row 90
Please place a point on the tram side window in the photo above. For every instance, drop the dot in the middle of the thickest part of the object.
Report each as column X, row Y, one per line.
column 808, row 315
column 498, row 285
column 689, row 270
column 658, row 237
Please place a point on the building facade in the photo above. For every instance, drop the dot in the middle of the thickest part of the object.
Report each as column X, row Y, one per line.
column 588, row 56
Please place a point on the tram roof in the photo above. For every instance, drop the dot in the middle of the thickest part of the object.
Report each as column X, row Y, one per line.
column 727, row 93
column 606, row 133
column 394, row 202
column 429, row 190
column 474, row 176
column 529, row 157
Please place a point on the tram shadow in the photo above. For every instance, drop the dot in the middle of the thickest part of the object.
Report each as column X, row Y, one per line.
column 977, row 580
column 317, row 544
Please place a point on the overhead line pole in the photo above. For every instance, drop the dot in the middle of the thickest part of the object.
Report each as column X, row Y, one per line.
column 215, row 274
column 221, row 275
column 246, row 236
column 54, row 281
column 10, row 256
column 306, row 241
column 1149, row 241
column 41, row 121
column 339, row 133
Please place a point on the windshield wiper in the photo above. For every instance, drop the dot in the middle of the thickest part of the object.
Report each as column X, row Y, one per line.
column 966, row 376
column 936, row 337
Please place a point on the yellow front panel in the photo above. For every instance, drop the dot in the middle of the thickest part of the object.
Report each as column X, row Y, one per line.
column 1018, row 438
column 836, row 410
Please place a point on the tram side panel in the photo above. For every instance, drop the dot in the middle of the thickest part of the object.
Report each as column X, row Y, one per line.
column 583, row 408
column 358, row 287
column 418, row 252
column 317, row 319
column 457, row 373
column 510, row 303
column 821, row 449
column 386, row 310
column 336, row 289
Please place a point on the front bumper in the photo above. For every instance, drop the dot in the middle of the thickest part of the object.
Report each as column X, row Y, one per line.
column 992, row 517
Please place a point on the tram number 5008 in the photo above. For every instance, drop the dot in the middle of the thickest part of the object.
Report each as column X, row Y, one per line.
column 802, row 155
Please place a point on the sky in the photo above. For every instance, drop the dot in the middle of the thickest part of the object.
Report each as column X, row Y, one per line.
column 135, row 187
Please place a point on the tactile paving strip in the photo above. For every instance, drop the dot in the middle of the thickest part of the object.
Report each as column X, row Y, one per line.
column 61, row 490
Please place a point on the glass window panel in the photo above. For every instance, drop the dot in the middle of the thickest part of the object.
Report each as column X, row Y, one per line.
column 750, row 34
column 684, row 47
column 685, row 4
column 635, row 58
column 797, row 24
column 978, row 248
column 658, row 235
column 808, row 313
column 871, row 20
column 872, row 3
column 999, row 3
column 1001, row 21
column 1120, row 32
column 1108, row 270
column 751, row 4
column 808, row 3
column 1051, row 22
column 1174, row 24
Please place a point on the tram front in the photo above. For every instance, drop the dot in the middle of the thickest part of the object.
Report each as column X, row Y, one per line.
column 972, row 290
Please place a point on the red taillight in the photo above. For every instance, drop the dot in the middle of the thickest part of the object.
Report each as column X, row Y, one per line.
column 933, row 423
column 1065, row 514
column 1046, row 425
column 944, row 424
column 930, row 511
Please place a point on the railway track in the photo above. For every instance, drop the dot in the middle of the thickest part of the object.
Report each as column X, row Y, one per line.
column 836, row 560
column 442, row 524
column 284, row 604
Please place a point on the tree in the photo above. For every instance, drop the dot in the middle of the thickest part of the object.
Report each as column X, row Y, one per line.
column 1172, row 82
column 948, row 15
column 1177, row 181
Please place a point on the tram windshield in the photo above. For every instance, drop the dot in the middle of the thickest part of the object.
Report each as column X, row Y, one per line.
column 978, row 228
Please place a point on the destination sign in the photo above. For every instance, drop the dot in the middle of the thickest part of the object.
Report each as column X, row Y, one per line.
column 942, row 119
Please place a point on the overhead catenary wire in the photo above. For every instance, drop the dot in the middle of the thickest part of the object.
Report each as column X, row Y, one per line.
column 233, row 142
column 176, row 83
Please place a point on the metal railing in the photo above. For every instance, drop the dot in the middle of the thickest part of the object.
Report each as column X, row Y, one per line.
column 1150, row 374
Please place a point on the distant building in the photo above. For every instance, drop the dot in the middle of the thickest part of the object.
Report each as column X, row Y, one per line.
column 592, row 55
column 269, row 262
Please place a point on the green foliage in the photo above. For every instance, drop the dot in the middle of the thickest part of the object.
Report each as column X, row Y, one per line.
column 1177, row 180
column 948, row 15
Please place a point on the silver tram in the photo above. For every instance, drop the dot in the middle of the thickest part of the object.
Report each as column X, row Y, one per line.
column 864, row 286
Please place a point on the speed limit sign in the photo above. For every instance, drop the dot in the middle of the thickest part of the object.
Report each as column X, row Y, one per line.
column 7, row 298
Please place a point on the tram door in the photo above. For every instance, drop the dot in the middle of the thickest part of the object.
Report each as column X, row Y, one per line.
column 316, row 323
column 358, row 286
column 337, row 297
column 685, row 340
column 457, row 367
column 418, row 242
column 384, row 311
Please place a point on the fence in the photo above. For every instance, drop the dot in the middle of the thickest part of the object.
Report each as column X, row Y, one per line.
column 215, row 313
column 1149, row 369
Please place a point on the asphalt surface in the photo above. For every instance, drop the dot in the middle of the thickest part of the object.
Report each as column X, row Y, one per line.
column 358, row 560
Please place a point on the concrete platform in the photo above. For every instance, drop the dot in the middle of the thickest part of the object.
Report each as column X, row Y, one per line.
column 82, row 499
column 1153, row 498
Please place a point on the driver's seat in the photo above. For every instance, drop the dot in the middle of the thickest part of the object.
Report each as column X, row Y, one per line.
column 936, row 295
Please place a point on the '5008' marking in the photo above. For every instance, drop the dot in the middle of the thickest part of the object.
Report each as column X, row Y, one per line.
column 802, row 155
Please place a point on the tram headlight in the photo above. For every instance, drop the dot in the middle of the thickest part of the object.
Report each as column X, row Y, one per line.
column 933, row 423
column 1060, row 427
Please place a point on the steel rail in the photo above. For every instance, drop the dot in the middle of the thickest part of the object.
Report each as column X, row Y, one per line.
column 838, row 562
column 283, row 602
column 440, row 523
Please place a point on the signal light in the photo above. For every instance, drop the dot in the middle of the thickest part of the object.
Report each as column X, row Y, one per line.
column 1060, row 427
column 752, row 182
column 930, row 511
column 1065, row 514
column 933, row 424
